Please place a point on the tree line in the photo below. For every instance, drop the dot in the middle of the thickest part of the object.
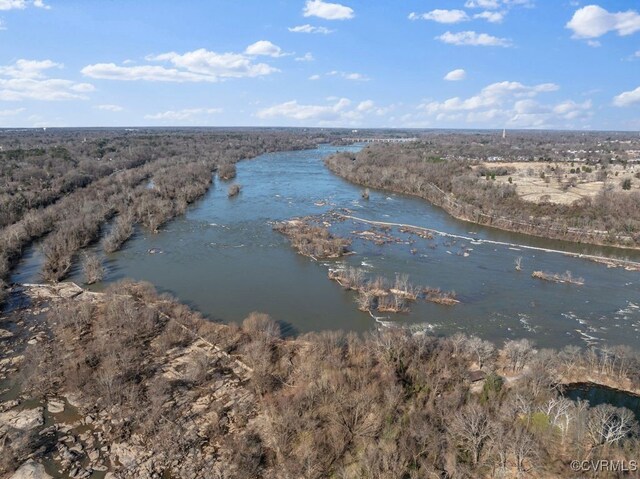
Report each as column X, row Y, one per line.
column 612, row 217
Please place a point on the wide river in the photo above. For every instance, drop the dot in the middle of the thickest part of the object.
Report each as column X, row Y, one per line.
column 224, row 259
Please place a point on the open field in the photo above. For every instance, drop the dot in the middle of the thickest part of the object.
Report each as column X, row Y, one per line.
column 563, row 183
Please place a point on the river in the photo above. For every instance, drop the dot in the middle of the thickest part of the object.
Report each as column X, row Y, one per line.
column 223, row 258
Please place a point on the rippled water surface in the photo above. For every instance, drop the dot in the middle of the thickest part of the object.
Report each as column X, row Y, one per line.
column 223, row 258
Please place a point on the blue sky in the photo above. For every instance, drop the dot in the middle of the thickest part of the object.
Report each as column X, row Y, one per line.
column 561, row 64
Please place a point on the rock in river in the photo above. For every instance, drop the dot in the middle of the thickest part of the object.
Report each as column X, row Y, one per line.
column 55, row 406
column 24, row 420
column 4, row 334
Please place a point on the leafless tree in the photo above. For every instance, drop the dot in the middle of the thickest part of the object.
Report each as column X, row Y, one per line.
column 481, row 350
column 607, row 424
column 92, row 267
column 518, row 263
column 518, row 353
column 472, row 428
column 524, row 449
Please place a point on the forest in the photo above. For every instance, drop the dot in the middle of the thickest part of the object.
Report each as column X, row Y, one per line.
column 69, row 187
column 168, row 392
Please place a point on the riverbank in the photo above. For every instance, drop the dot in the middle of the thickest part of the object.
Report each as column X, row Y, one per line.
column 412, row 175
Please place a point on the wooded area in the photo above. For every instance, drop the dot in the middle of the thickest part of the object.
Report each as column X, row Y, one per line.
column 178, row 393
column 420, row 168
column 67, row 186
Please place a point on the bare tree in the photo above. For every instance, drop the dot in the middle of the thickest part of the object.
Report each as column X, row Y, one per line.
column 472, row 429
column 364, row 300
column 518, row 263
column 92, row 267
column 607, row 424
column 560, row 412
column 480, row 349
column 524, row 449
column 518, row 353
column 261, row 325
column 458, row 341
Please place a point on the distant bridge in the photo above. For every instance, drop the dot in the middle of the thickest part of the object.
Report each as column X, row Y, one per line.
column 379, row 140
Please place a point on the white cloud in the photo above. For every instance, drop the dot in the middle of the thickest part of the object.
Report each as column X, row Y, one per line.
column 182, row 115
column 111, row 71
column 13, row 4
column 491, row 17
column 366, row 105
column 456, row 75
column 491, row 96
column 627, row 98
column 2, row 25
column 441, row 16
column 473, row 39
column 594, row 43
column 519, row 3
column 310, row 29
column 594, row 21
column 637, row 54
column 482, row 4
column 295, row 111
column 495, row 4
column 26, row 79
column 328, row 11
column 571, row 110
column 114, row 108
column 511, row 104
column 22, row 4
column 355, row 77
column 264, row 48
column 314, row 77
column 196, row 66
column 28, row 68
column 349, row 76
column 307, row 57
column 337, row 111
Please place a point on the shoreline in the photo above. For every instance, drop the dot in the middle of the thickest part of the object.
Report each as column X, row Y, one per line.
column 449, row 206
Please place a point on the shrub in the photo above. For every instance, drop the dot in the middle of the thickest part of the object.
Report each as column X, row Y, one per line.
column 233, row 190
column 227, row 171
column 92, row 267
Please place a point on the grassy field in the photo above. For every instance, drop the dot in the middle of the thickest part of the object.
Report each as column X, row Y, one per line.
column 562, row 183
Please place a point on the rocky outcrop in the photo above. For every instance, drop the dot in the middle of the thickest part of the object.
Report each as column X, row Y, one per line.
column 24, row 420
column 31, row 470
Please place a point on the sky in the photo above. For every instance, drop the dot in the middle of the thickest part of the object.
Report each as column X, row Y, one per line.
column 540, row 64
